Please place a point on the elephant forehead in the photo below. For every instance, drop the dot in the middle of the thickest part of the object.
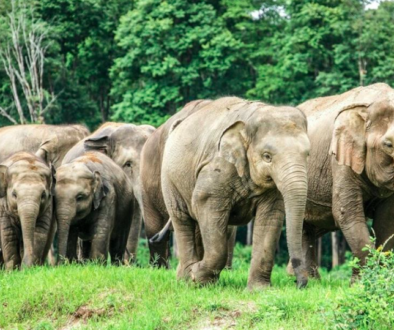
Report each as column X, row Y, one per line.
column 73, row 172
column 27, row 167
column 123, row 154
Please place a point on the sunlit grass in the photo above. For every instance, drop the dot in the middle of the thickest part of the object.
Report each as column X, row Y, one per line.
column 108, row 297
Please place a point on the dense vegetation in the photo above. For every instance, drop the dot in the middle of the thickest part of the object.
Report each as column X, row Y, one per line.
column 141, row 60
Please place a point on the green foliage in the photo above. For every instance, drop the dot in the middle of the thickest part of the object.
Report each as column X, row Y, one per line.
column 369, row 303
column 141, row 61
column 175, row 51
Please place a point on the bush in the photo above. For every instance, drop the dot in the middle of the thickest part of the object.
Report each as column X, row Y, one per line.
column 369, row 304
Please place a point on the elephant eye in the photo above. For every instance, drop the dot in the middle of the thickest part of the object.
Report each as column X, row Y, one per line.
column 14, row 194
column 43, row 195
column 267, row 157
column 80, row 197
column 388, row 144
column 128, row 164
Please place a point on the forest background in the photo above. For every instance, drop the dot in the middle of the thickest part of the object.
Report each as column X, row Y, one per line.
column 140, row 61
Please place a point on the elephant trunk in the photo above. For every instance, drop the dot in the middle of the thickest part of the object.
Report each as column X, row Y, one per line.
column 293, row 185
column 64, row 215
column 28, row 212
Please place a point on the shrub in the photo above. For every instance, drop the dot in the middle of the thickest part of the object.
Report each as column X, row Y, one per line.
column 369, row 304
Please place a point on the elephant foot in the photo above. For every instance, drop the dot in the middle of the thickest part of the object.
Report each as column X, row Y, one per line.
column 258, row 285
column 302, row 279
column 12, row 265
column 183, row 273
column 201, row 275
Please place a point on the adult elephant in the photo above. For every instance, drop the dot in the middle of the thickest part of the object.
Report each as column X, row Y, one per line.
column 123, row 144
column 50, row 142
column 26, row 222
column 351, row 170
column 227, row 163
column 156, row 218
column 94, row 203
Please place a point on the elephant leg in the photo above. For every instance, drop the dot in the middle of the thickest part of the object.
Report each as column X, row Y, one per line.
column 119, row 241
column 159, row 251
column 231, row 234
column 102, row 229
column 348, row 212
column 72, row 244
column 134, row 234
column 10, row 244
column 198, row 243
column 213, row 215
column 185, row 234
column 85, row 247
column 309, row 248
column 383, row 223
column 266, row 232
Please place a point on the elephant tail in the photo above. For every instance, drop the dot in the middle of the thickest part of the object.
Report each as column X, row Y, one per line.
column 163, row 234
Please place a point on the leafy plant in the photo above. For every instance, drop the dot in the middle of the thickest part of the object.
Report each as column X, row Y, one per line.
column 369, row 304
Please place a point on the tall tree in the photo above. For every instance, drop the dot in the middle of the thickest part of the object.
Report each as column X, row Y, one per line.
column 23, row 60
column 175, row 51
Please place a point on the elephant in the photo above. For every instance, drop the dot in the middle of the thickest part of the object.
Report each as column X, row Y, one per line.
column 93, row 202
column 123, row 144
column 50, row 142
column 26, row 222
column 229, row 162
column 156, row 218
column 351, row 169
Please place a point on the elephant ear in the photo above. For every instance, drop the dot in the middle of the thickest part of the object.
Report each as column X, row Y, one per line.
column 100, row 142
column 232, row 146
column 43, row 151
column 100, row 190
column 3, row 180
column 348, row 140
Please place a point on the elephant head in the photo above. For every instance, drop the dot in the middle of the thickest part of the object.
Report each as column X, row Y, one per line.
column 123, row 144
column 78, row 191
column 26, row 184
column 363, row 139
column 270, row 149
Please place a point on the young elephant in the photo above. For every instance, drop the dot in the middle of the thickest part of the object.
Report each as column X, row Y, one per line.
column 229, row 162
column 26, row 223
column 93, row 202
column 123, row 144
column 351, row 170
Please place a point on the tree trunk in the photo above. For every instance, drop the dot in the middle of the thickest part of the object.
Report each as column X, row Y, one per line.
column 249, row 233
column 335, row 249
column 319, row 245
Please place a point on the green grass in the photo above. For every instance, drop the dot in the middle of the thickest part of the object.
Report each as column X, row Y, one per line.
column 109, row 297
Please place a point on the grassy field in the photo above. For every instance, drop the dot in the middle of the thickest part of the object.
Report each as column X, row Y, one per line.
column 140, row 297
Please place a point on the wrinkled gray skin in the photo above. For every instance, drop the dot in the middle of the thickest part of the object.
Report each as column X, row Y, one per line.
column 94, row 203
column 229, row 162
column 50, row 142
column 26, row 222
column 351, row 169
column 123, row 144
column 156, row 218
